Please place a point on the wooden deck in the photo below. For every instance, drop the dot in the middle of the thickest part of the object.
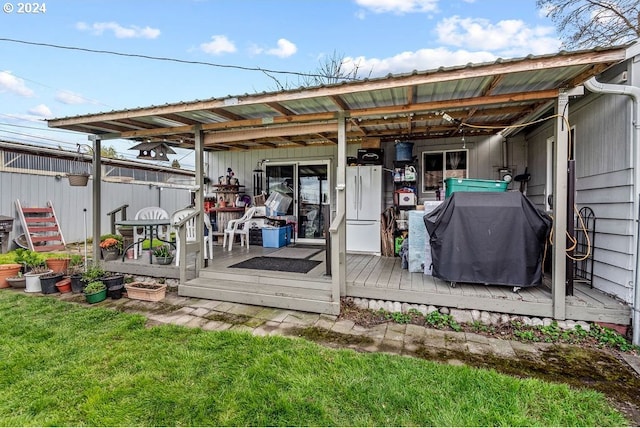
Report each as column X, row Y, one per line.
column 371, row 277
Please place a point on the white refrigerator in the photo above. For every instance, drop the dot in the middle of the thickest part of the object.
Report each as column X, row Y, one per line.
column 364, row 207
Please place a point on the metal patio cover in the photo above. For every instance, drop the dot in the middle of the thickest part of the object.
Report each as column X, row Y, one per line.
column 403, row 107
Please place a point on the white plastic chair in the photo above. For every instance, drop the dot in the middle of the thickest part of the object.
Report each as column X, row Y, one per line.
column 149, row 213
column 238, row 227
column 191, row 231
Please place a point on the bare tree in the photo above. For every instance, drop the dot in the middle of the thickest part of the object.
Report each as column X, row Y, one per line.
column 591, row 23
column 332, row 69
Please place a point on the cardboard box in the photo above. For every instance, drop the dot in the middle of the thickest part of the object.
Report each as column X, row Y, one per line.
column 370, row 143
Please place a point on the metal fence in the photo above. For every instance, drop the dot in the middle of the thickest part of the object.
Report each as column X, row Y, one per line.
column 35, row 179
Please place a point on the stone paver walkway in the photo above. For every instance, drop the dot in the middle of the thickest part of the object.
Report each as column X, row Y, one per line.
column 401, row 339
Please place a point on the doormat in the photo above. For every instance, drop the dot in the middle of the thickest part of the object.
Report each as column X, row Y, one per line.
column 295, row 253
column 281, row 264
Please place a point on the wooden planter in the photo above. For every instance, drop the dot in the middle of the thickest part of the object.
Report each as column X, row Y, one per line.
column 146, row 291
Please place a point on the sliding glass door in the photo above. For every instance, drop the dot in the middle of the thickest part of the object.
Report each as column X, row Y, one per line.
column 308, row 184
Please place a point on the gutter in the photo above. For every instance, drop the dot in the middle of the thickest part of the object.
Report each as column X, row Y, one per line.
column 634, row 92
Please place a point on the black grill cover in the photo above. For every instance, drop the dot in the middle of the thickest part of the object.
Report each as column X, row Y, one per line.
column 489, row 238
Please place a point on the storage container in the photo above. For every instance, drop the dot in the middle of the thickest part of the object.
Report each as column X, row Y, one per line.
column 276, row 237
column 473, row 185
column 404, row 151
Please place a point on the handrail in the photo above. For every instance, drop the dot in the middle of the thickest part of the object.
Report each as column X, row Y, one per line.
column 337, row 221
column 112, row 215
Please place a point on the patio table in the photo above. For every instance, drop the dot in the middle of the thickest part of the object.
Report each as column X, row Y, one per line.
column 150, row 229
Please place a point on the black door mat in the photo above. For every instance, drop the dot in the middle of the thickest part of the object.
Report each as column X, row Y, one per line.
column 280, row 264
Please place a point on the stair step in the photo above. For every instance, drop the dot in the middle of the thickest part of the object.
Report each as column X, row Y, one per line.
column 37, row 210
column 47, row 248
column 46, row 238
column 40, row 229
column 30, row 220
column 295, row 298
column 265, row 278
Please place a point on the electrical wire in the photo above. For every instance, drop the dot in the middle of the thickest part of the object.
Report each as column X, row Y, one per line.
column 167, row 59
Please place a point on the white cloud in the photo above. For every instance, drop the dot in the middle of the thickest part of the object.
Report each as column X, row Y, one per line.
column 41, row 111
column 218, row 45
column 423, row 59
column 399, row 6
column 506, row 38
column 68, row 97
column 131, row 32
column 284, row 50
column 13, row 84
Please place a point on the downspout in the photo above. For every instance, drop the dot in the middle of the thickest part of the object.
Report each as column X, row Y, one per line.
column 634, row 92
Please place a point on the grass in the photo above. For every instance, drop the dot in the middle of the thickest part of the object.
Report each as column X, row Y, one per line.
column 67, row 365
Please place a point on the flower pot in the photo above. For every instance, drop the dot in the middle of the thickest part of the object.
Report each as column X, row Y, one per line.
column 32, row 284
column 112, row 280
column 8, row 270
column 77, row 285
column 96, row 297
column 48, row 282
column 64, row 285
column 115, row 291
column 17, row 282
column 110, row 254
column 163, row 260
column 58, row 265
column 78, row 179
column 146, row 291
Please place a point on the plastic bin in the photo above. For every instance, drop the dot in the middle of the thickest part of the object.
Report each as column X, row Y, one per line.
column 473, row 185
column 275, row 237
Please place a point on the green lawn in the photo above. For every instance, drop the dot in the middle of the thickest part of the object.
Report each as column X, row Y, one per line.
column 66, row 365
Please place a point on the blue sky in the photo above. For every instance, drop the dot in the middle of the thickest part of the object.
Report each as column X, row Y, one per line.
column 380, row 36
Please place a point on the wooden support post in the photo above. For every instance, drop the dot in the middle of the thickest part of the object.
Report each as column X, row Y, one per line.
column 559, row 269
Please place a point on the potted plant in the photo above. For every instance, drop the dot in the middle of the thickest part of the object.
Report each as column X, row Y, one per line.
column 17, row 281
column 95, row 292
column 34, row 266
column 48, row 281
column 111, row 246
column 58, row 262
column 75, row 271
column 93, row 272
column 163, row 255
column 148, row 291
column 114, row 283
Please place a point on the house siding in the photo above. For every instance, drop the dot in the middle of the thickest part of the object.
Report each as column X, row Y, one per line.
column 604, row 182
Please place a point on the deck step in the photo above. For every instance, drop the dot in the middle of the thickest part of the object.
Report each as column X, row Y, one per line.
column 265, row 278
column 301, row 298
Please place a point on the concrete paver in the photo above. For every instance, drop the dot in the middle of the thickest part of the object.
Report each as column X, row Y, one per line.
column 394, row 338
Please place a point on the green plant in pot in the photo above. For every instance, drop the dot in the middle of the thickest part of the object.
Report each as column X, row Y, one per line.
column 95, row 292
column 93, row 272
column 34, row 265
column 163, row 254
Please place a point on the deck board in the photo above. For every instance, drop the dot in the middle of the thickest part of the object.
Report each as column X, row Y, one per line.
column 382, row 278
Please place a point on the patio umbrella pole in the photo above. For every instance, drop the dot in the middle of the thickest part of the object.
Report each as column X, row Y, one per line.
column 84, row 214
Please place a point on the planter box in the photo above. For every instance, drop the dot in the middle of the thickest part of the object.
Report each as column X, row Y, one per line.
column 146, row 291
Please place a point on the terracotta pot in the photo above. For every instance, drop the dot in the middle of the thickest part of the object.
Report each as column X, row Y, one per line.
column 58, row 265
column 7, row 271
column 64, row 286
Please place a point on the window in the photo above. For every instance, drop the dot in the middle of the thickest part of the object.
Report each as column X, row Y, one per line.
column 438, row 166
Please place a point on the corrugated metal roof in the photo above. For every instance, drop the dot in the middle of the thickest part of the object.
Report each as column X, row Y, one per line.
column 402, row 106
